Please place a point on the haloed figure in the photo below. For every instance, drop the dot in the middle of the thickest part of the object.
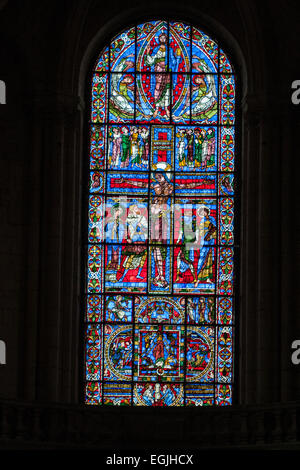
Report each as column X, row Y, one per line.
column 162, row 79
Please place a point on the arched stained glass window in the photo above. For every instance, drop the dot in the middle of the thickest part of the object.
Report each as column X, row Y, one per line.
column 2, row 92
column 160, row 250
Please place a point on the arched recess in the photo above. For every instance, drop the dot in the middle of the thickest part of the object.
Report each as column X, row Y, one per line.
column 79, row 52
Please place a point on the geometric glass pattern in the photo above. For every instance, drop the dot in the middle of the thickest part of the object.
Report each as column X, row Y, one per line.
column 159, row 292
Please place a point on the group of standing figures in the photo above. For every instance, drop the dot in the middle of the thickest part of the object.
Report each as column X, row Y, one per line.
column 196, row 148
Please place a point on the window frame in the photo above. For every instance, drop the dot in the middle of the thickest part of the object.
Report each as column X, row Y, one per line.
column 237, row 193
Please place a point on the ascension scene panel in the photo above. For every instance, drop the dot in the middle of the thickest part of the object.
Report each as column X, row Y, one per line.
column 160, row 244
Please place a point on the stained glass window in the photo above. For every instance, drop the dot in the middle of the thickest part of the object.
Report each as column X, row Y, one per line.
column 159, row 290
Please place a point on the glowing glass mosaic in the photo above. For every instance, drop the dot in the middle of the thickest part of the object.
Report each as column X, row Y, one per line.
column 159, row 292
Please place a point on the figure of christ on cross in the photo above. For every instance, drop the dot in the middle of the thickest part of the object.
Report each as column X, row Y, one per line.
column 162, row 189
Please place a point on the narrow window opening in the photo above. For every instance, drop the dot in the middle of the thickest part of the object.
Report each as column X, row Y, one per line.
column 2, row 352
column 2, row 92
column 159, row 287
